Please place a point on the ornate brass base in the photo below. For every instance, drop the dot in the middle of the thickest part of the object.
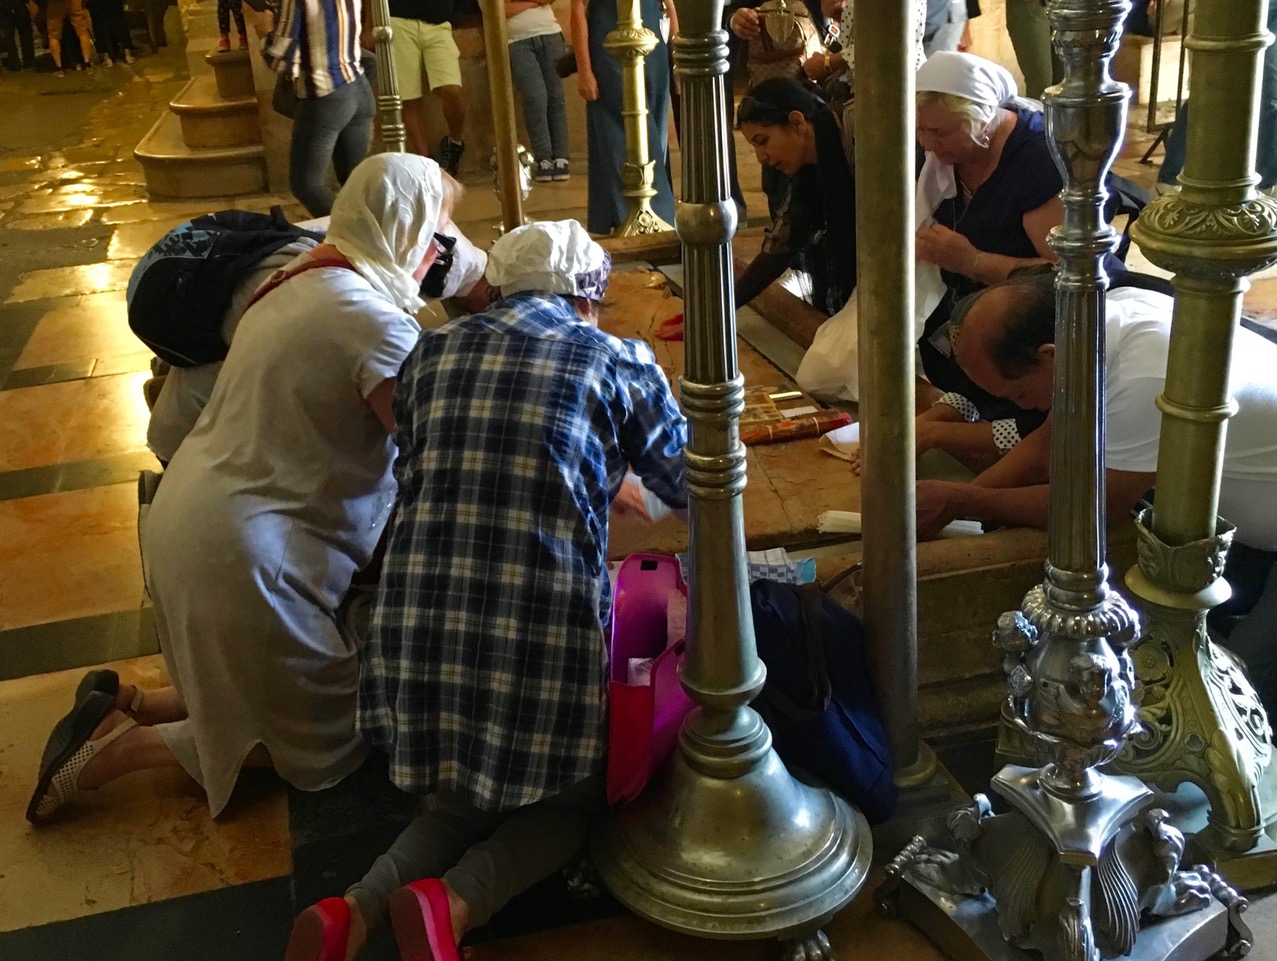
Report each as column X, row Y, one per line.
column 755, row 856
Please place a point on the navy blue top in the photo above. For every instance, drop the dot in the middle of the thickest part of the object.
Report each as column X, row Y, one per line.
column 1025, row 178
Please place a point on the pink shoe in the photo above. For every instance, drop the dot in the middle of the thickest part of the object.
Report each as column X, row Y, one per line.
column 321, row 932
column 224, row 44
column 422, row 921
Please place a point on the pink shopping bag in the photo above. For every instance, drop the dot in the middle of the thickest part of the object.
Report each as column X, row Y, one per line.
column 643, row 719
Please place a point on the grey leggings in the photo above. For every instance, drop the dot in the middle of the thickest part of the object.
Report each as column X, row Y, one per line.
column 486, row 857
column 336, row 127
column 541, row 89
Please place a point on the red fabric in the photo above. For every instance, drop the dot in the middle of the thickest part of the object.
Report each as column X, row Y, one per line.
column 671, row 329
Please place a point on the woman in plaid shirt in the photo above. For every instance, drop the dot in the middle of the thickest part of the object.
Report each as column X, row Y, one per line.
column 484, row 677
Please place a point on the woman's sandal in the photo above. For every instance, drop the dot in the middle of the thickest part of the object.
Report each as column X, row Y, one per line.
column 107, row 681
column 321, row 932
column 422, row 921
column 69, row 749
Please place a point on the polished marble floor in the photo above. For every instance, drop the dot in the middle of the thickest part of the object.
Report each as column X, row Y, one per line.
column 138, row 870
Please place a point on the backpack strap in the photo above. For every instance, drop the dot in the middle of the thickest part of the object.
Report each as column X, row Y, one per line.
column 279, row 276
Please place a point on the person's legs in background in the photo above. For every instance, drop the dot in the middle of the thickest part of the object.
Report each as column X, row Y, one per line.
column 79, row 18
column 8, row 25
column 1030, row 32
column 1176, row 145
column 354, row 139
column 442, row 62
column 529, row 79
column 55, row 18
column 317, row 125
column 551, row 49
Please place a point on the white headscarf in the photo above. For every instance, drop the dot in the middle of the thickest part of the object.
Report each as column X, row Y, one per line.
column 966, row 75
column 383, row 220
column 554, row 255
column 976, row 79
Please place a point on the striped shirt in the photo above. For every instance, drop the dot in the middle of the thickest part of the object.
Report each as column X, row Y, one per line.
column 485, row 670
column 316, row 43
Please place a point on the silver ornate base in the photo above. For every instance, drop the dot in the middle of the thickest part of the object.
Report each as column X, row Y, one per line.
column 757, row 856
column 966, row 927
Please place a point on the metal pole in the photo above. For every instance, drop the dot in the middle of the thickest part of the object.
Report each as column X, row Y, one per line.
column 1077, row 863
column 884, row 226
column 725, row 844
column 1207, row 726
column 496, row 45
column 630, row 43
column 389, row 106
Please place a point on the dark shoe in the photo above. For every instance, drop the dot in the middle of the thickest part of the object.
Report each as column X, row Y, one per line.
column 68, row 738
column 562, row 169
column 544, row 172
column 450, row 152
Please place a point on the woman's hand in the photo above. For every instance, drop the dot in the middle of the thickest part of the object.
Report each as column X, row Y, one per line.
column 628, row 502
column 946, row 248
column 587, row 85
column 745, row 23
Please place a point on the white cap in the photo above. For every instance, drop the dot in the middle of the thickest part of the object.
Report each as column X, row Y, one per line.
column 553, row 255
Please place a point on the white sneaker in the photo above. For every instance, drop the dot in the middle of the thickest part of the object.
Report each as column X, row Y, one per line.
column 107, row 61
column 1161, row 189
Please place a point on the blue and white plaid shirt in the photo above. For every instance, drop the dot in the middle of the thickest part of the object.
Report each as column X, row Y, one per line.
column 486, row 667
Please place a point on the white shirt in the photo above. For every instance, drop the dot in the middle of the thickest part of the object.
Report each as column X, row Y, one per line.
column 1138, row 341
column 536, row 22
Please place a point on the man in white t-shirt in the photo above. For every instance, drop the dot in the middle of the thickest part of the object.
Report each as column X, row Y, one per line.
column 1005, row 344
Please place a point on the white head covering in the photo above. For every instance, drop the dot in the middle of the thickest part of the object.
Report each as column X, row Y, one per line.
column 383, row 220
column 553, row 255
column 966, row 75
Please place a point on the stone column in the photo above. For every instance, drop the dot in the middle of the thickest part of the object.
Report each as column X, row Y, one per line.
column 1202, row 721
column 724, row 843
column 884, row 227
column 630, row 43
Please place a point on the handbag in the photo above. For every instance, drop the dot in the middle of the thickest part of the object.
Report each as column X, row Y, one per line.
column 284, row 99
column 643, row 719
column 565, row 66
column 818, row 701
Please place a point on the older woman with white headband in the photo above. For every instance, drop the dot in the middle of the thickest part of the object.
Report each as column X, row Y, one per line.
column 271, row 504
column 484, row 675
column 992, row 190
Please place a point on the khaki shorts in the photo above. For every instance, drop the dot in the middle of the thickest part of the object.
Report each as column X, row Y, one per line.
column 427, row 48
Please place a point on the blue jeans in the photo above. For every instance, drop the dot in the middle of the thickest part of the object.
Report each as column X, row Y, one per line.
column 336, row 127
column 541, row 90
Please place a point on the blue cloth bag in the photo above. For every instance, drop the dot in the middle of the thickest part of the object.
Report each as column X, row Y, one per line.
column 818, row 700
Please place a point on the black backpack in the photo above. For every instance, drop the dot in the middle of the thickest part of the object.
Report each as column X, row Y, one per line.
column 818, row 700
column 180, row 290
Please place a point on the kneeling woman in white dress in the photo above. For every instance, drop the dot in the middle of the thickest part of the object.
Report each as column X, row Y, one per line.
column 271, row 504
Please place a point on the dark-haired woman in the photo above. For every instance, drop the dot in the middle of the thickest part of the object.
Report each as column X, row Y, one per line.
column 813, row 227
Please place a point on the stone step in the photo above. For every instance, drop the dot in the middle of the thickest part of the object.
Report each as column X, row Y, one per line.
column 175, row 170
column 234, row 73
column 209, row 120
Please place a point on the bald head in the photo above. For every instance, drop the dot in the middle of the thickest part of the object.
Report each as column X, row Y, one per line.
column 1003, row 337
